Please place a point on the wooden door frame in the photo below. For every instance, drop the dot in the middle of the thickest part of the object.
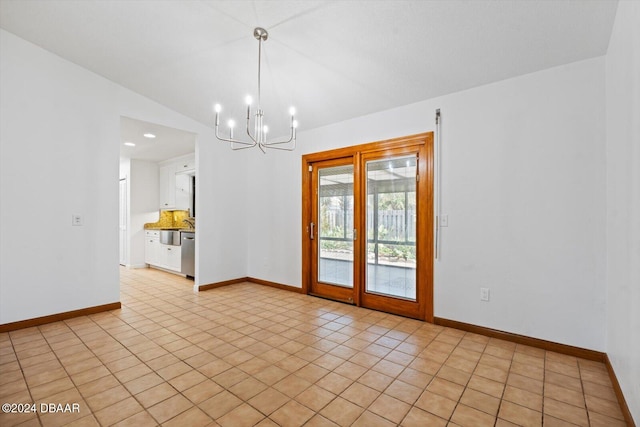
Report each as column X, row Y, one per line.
column 426, row 217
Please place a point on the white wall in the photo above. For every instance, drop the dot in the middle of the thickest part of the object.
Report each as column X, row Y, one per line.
column 143, row 207
column 523, row 185
column 59, row 150
column 58, row 128
column 623, row 201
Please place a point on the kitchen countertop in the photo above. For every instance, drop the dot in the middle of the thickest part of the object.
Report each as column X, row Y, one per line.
column 190, row 230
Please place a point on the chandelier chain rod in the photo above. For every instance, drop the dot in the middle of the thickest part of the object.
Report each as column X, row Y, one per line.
column 259, row 69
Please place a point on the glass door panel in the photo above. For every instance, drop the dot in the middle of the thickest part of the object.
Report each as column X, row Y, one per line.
column 335, row 225
column 391, row 227
column 333, row 253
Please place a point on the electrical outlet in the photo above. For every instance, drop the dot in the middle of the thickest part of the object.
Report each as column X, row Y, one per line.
column 484, row 294
column 76, row 220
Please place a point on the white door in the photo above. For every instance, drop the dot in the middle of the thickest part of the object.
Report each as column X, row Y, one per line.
column 123, row 221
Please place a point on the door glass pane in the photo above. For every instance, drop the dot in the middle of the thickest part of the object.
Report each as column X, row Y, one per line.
column 335, row 222
column 391, row 227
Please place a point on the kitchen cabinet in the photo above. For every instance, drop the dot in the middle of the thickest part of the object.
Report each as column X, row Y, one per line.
column 175, row 183
column 182, row 191
column 156, row 254
column 171, row 257
column 152, row 247
column 167, row 184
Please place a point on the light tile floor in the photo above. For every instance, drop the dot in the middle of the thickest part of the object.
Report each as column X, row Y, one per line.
column 248, row 355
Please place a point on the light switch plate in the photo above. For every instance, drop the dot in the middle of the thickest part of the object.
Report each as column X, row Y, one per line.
column 484, row 294
column 444, row 220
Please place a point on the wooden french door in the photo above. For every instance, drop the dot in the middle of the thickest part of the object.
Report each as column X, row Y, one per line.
column 332, row 229
column 368, row 222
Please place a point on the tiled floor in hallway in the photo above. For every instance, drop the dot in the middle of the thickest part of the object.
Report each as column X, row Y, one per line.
column 246, row 355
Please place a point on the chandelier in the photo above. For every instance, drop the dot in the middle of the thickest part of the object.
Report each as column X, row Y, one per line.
column 258, row 136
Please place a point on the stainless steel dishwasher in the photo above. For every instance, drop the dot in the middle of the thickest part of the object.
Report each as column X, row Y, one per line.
column 188, row 253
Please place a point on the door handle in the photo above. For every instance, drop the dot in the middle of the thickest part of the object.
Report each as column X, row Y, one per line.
column 312, row 227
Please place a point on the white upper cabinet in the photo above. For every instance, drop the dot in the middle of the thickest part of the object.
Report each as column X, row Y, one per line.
column 167, row 186
column 182, row 190
column 175, row 183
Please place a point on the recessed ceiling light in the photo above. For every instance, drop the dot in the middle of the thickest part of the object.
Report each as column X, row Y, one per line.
column 129, row 144
column 149, row 135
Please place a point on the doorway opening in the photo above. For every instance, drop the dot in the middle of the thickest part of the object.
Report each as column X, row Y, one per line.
column 157, row 179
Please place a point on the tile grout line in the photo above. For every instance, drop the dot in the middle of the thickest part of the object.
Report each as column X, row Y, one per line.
column 23, row 375
column 544, row 382
column 513, row 353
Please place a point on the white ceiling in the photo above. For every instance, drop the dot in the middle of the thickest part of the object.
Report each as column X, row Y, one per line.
column 167, row 144
column 333, row 60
